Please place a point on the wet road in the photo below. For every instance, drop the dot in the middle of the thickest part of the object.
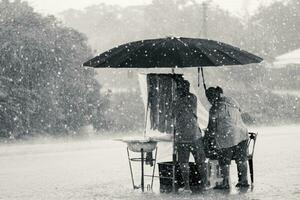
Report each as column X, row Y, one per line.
column 98, row 169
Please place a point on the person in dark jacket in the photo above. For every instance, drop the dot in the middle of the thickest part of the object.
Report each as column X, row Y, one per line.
column 230, row 134
column 188, row 137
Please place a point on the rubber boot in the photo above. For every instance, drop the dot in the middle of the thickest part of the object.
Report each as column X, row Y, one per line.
column 242, row 169
column 225, row 176
column 185, row 172
column 203, row 174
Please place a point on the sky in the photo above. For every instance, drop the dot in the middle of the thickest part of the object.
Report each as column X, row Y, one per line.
column 238, row 7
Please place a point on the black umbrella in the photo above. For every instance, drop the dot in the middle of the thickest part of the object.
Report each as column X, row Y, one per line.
column 173, row 52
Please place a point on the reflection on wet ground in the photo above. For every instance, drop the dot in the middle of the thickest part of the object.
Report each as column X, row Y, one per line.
column 98, row 169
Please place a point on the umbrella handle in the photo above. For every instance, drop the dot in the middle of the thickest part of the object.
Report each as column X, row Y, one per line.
column 198, row 76
column 202, row 73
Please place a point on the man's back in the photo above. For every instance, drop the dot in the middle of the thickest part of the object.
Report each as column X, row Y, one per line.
column 186, row 125
column 230, row 129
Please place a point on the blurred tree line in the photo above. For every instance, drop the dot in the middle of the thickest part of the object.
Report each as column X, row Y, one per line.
column 269, row 32
column 43, row 88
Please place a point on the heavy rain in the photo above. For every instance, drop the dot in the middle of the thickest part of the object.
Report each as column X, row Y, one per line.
column 84, row 83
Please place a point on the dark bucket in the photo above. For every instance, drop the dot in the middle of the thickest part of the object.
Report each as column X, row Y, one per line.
column 166, row 176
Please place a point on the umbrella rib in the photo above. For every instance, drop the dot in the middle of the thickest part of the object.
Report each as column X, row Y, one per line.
column 118, row 50
column 177, row 52
column 230, row 56
column 201, row 51
column 156, row 46
column 253, row 58
column 173, row 45
column 103, row 60
column 123, row 59
column 185, row 46
column 131, row 53
column 162, row 42
column 208, row 56
column 250, row 56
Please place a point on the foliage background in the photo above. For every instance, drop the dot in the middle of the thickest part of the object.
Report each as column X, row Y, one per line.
column 271, row 31
column 45, row 91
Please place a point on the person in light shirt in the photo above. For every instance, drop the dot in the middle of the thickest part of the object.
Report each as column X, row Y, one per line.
column 230, row 135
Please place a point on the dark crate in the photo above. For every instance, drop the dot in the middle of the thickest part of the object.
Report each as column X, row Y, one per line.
column 166, row 176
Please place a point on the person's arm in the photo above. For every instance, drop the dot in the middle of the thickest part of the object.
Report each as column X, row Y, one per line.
column 211, row 124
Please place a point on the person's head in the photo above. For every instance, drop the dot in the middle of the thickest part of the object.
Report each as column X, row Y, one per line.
column 213, row 94
column 183, row 86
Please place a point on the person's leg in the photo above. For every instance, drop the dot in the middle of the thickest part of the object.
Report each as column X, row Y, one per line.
column 185, row 172
column 242, row 169
column 199, row 156
column 225, row 175
column 183, row 159
column 225, row 156
column 241, row 159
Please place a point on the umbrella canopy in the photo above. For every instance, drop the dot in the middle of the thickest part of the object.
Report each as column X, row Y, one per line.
column 292, row 57
column 172, row 52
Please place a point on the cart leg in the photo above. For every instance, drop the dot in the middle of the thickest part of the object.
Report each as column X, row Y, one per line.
column 142, row 166
column 154, row 168
column 174, row 173
column 134, row 187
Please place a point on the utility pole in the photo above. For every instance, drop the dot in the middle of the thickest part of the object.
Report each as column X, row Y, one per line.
column 204, row 22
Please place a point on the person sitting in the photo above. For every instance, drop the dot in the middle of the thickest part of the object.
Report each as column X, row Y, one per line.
column 188, row 138
column 230, row 135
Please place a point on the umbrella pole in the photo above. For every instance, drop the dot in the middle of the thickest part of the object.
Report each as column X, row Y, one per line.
column 174, row 147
